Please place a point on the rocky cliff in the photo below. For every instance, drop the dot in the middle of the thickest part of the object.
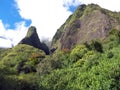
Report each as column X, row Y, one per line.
column 33, row 40
column 88, row 22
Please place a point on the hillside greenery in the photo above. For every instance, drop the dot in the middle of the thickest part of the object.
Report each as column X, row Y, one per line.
column 89, row 66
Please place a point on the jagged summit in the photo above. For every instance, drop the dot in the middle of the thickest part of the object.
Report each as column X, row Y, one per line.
column 32, row 39
column 88, row 22
column 31, row 32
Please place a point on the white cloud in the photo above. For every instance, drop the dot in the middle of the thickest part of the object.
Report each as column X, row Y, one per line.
column 49, row 15
column 2, row 29
column 16, row 35
column 12, row 36
column 5, row 43
column 68, row 3
column 46, row 15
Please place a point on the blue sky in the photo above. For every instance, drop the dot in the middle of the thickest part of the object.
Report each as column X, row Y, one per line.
column 10, row 15
column 13, row 17
column 47, row 15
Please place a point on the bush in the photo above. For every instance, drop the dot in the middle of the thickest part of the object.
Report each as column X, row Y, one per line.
column 47, row 65
column 97, row 46
column 77, row 53
column 23, row 58
column 110, row 55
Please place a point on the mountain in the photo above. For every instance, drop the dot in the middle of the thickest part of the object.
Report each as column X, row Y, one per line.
column 33, row 40
column 87, row 55
column 87, row 23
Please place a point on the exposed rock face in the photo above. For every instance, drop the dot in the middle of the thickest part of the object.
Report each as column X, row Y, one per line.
column 33, row 40
column 87, row 23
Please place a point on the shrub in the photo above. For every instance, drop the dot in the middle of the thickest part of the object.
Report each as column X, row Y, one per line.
column 62, row 58
column 97, row 46
column 66, row 50
column 110, row 55
column 47, row 65
column 78, row 52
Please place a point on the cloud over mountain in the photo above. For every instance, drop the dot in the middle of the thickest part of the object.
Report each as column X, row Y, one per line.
column 46, row 15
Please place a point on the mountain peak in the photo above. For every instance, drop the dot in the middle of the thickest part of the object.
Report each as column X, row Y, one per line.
column 31, row 31
column 32, row 39
column 87, row 23
column 92, row 6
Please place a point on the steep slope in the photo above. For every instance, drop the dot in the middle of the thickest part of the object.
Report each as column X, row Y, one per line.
column 85, row 24
column 33, row 40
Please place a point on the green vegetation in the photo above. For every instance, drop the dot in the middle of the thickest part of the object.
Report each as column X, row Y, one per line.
column 22, row 58
column 85, row 67
column 93, row 65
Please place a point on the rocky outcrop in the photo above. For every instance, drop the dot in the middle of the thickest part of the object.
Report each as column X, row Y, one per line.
column 88, row 22
column 33, row 40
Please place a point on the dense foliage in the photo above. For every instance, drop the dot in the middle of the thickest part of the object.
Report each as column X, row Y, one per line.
column 85, row 55
column 89, row 66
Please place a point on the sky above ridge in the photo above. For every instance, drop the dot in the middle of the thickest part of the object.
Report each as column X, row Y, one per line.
column 46, row 15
